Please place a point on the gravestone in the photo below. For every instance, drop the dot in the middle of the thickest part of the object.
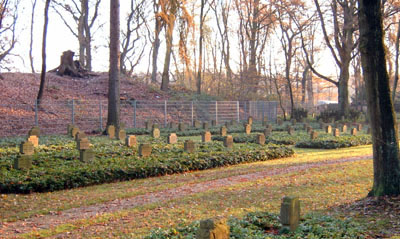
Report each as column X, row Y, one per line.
column 213, row 229
column 328, row 129
column 130, row 140
column 247, row 128
column 121, row 134
column 82, row 144
column 309, row 129
column 23, row 162
column 173, row 125
column 172, row 138
column 290, row 130
column 86, row 155
column 155, row 133
column 110, row 130
column 336, row 132
column 313, row 135
column 34, row 140
column 196, row 124
column 290, row 212
column 148, row 124
column 80, row 135
column 74, row 131
column 181, row 127
column 344, row 128
column 34, row 131
column 250, row 120
column 223, row 131
column 26, row 148
column 144, row 150
column 260, row 139
column 359, row 127
column 228, row 141
column 353, row 131
column 213, row 123
column 206, row 137
column 189, row 146
column 205, row 125
column 267, row 132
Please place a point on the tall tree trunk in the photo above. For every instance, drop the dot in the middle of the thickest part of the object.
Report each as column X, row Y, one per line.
column 380, row 106
column 81, row 35
column 114, row 73
column 343, row 89
column 396, row 70
column 43, row 74
column 198, row 83
column 31, row 37
column 88, row 37
column 169, row 34
column 156, row 47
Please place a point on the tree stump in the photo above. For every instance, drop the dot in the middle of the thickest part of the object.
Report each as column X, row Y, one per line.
column 68, row 66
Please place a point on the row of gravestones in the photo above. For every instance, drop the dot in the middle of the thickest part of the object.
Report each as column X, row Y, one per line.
column 218, row 228
column 27, row 149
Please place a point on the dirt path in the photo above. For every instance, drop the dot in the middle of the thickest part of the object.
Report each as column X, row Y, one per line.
column 13, row 229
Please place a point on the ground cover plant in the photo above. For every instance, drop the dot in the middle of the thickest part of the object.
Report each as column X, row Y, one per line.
column 57, row 166
column 344, row 141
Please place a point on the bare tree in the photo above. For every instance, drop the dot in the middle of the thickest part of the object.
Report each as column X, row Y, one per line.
column 31, row 36
column 156, row 42
column 8, row 22
column 381, row 112
column 396, row 62
column 43, row 73
column 78, row 11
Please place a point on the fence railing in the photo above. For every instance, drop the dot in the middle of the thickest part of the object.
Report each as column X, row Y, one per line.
column 91, row 116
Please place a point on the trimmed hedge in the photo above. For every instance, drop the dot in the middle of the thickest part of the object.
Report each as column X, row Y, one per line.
column 339, row 142
column 276, row 138
column 57, row 167
column 260, row 225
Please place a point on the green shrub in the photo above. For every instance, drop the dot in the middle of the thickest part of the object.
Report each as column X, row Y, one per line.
column 57, row 167
column 299, row 114
column 335, row 143
column 330, row 115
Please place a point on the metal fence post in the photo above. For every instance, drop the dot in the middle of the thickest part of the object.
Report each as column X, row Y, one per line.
column 192, row 113
column 101, row 115
column 73, row 111
column 165, row 113
column 134, row 114
column 36, row 113
column 216, row 112
column 238, row 111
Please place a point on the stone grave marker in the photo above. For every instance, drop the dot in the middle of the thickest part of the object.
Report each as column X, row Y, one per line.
column 267, row 132
column 228, row 141
column 290, row 212
column 148, row 124
column 86, row 155
column 121, row 134
column 223, row 131
column 328, row 129
column 74, row 131
column 344, row 128
column 34, row 131
column 313, row 135
column 144, row 150
column 247, row 128
column 213, row 229
column 181, row 127
column 250, row 120
column 130, row 140
column 196, row 124
column 206, row 137
column 336, row 132
column 205, row 125
column 290, row 130
column 26, row 148
column 110, row 131
column 189, row 146
column 23, row 162
column 82, row 144
column 260, row 139
column 359, row 127
column 172, row 138
column 34, row 140
column 80, row 135
column 155, row 133
column 353, row 131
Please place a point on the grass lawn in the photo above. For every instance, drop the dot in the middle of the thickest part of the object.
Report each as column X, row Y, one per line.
column 322, row 189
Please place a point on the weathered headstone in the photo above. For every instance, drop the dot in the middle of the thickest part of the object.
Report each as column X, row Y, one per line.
column 260, row 139
column 23, row 162
column 267, row 132
column 130, row 140
column 172, row 138
column 344, row 128
column 74, row 131
column 121, row 134
column 110, row 130
column 290, row 130
column 181, row 127
column 80, row 135
column 189, row 146
column 34, row 140
column 205, row 125
column 359, row 127
column 353, row 131
column 213, row 123
column 313, row 135
column 336, row 132
column 247, row 128
column 213, row 229
column 155, row 133
column 206, row 137
column 144, row 150
column 290, row 212
column 86, row 155
column 328, row 129
column 228, row 141
column 34, row 131
column 148, row 124
column 196, row 124
column 223, row 131
column 250, row 120
column 26, row 148
column 82, row 144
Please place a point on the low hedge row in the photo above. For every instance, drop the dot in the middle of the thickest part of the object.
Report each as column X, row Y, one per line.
column 55, row 168
column 260, row 225
column 338, row 142
column 277, row 138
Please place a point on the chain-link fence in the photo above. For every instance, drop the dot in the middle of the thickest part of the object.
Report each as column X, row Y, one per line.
column 91, row 116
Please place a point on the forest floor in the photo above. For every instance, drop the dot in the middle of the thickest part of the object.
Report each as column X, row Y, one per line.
column 329, row 181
